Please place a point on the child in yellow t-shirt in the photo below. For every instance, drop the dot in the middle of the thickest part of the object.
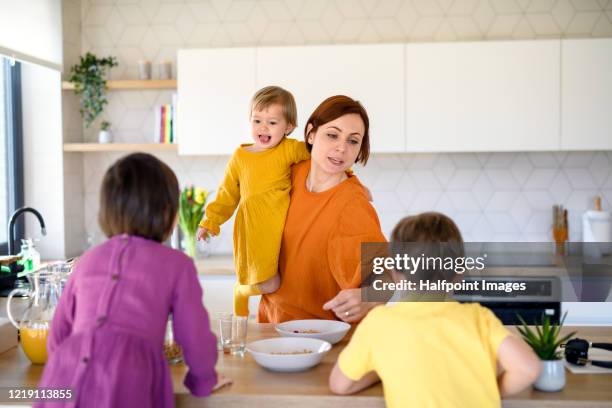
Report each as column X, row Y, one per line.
column 257, row 181
column 434, row 354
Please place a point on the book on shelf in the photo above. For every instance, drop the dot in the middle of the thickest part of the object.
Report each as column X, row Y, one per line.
column 165, row 123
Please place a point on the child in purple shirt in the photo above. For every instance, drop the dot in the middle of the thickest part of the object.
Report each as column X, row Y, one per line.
column 106, row 338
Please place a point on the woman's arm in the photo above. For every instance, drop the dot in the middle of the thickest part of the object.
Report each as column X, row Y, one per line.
column 520, row 365
column 342, row 385
column 344, row 257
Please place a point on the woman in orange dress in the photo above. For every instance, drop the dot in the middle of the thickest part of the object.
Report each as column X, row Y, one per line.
column 329, row 217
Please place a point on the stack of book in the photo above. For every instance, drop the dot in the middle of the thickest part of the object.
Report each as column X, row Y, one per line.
column 165, row 123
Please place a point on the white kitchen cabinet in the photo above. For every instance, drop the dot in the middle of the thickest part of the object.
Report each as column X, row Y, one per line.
column 586, row 81
column 214, row 91
column 372, row 74
column 218, row 294
column 482, row 96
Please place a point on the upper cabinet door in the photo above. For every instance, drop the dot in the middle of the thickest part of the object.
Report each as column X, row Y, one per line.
column 215, row 87
column 372, row 74
column 482, row 96
column 586, row 72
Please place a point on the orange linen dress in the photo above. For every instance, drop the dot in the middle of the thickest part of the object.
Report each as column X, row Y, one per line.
column 321, row 248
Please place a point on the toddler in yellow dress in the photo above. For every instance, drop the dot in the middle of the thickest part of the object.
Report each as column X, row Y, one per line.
column 257, row 181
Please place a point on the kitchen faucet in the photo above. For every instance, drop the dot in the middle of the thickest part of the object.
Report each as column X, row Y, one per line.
column 11, row 226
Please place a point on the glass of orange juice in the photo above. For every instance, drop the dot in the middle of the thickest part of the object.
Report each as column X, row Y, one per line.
column 42, row 294
column 33, row 338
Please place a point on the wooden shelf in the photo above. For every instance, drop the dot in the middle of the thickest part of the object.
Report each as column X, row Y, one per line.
column 132, row 84
column 120, row 147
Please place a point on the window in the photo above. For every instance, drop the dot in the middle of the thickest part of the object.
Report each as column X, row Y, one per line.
column 11, row 150
column 3, row 170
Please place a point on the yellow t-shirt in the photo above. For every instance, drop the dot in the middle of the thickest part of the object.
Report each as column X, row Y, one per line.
column 429, row 354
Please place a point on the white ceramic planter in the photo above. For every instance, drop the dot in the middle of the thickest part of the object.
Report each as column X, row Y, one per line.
column 552, row 377
column 105, row 136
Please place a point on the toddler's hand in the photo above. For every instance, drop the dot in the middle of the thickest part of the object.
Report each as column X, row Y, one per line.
column 222, row 381
column 203, row 234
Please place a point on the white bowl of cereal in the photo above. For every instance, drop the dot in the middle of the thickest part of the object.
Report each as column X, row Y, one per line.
column 329, row 330
column 288, row 354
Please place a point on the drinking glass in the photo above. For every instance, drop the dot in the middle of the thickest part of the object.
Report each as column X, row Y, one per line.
column 223, row 322
column 239, row 332
column 231, row 334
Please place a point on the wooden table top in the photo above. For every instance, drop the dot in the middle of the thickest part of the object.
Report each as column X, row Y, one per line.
column 255, row 386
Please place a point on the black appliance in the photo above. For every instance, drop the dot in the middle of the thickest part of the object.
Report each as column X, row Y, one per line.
column 542, row 297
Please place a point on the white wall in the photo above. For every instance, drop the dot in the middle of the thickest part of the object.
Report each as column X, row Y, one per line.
column 32, row 30
column 42, row 150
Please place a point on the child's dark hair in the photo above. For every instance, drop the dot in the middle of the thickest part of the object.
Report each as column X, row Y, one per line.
column 426, row 227
column 139, row 196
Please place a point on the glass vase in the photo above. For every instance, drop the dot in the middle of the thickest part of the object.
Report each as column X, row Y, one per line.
column 190, row 244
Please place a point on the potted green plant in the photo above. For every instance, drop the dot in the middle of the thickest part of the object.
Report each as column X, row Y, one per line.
column 105, row 135
column 191, row 209
column 89, row 80
column 545, row 342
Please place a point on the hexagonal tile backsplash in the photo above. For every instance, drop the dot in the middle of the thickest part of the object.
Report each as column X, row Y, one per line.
column 501, row 197
column 496, row 196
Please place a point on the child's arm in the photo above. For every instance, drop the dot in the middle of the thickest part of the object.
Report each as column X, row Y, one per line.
column 63, row 317
column 521, row 367
column 226, row 201
column 342, row 385
column 296, row 151
column 354, row 369
column 192, row 331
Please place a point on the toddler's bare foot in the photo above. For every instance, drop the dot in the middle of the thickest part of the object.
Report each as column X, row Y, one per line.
column 270, row 286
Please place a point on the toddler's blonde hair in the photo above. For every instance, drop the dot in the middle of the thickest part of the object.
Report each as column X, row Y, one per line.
column 270, row 95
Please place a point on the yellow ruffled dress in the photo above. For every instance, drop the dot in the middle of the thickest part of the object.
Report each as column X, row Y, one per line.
column 259, row 185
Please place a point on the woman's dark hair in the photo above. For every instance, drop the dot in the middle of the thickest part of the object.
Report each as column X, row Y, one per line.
column 331, row 109
column 139, row 196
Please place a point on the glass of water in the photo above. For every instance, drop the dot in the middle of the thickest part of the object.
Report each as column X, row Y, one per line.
column 222, row 326
column 239, row 333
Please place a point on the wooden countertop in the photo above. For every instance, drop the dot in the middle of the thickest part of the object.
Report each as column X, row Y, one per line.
column 255, row 386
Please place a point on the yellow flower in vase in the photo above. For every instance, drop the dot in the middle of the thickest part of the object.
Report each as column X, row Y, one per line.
column 200, row 196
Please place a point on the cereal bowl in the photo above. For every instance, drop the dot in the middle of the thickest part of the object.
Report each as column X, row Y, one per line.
column 329, row 330
column 288, row 354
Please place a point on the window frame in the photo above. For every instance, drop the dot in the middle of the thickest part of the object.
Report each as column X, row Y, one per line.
column 14, row 145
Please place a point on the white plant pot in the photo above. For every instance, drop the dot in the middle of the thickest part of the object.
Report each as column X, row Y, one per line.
column 105, row 136
column 552, row 377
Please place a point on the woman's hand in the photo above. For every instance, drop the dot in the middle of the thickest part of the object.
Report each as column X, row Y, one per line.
column 348, row 307
column 203, row 234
